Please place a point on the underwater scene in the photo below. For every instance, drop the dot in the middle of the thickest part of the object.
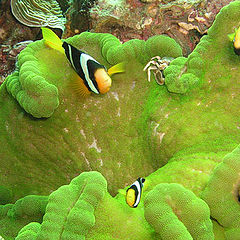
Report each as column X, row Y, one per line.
column 119, row 120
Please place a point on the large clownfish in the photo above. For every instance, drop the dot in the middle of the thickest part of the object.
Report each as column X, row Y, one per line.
column 235, row 38
column 94, row 76
column 134, row 192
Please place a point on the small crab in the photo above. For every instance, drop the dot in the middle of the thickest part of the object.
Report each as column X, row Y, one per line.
column 157, row 65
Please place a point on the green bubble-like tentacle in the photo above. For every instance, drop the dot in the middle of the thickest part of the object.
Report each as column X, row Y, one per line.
column 176, row 213
column 29, row 232
column 70, row 210
column 222, row 193
column 26, row 84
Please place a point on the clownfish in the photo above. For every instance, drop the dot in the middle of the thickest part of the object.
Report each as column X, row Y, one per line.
column 94, row 76
column 134, row 192
column 235, row 38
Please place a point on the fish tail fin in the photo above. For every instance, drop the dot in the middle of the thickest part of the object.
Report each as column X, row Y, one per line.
column 231, row 36
column 77, row 85
column 118, row 68
column 52, row 40
column 147, row 183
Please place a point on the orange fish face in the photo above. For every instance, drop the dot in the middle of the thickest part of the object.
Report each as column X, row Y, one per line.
column 103, row 80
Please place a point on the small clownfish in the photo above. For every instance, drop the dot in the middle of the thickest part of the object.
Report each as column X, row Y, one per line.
column 235, row 38
column 94, row 76
column 134, row 192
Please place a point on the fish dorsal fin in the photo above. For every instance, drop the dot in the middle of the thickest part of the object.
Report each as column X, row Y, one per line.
column 118, row 68
column 78, row 86
column 52, row 40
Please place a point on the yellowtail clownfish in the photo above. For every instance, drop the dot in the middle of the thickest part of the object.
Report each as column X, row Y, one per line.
column 94, row 76
column 235, row 38
column 134, row 192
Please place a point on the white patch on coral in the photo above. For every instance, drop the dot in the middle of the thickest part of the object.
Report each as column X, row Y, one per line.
column 118, row 113
column 161, row 135
column 166, row 116
column 94, row 145
column 83, row 133
column 133, row 85
column 119, row 164
column 84, row 156
column 7, row 127
column 101, row 162
column 156, row 133
column 97, row 103
column 66, row 130
column 66, row 110
column 155, row 129
column 199, row 104
column 194, row 170
column 115, row 94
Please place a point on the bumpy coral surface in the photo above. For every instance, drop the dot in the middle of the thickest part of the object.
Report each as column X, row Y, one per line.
column 75, row 133
column 175, row 133
column 222, row 194
column 176, row 213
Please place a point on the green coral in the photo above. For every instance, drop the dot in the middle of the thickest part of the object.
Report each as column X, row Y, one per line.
column 31, row 205
column 70, row 210
column 13, row 217
column 5, row 195
column 222, row 194
column 136, row 129
column 198, row 120
column 176, row 213
column 29, row 232
column 184, row 74
column 82, row 127
column 35, row 95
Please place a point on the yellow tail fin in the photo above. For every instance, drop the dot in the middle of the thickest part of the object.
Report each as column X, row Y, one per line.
column 52, row 40
column 231, row 36
column 118, row 68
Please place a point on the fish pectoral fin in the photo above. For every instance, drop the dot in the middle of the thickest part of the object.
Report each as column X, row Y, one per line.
column 77, row 85
column 231, row 36
column 118, row 68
